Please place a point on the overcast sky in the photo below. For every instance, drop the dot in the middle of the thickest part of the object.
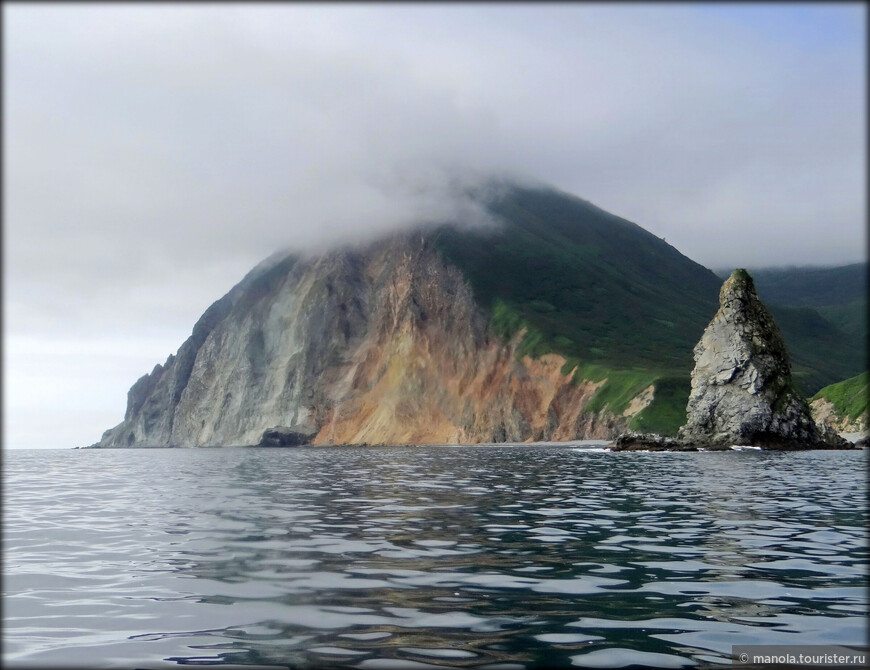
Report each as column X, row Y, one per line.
column 154, row 153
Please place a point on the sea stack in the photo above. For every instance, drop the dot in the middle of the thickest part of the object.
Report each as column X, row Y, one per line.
column 742, row 390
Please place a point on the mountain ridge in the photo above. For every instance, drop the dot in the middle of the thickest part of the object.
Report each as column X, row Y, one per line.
column 837, row 293
column 562, row 322
column 355, row 354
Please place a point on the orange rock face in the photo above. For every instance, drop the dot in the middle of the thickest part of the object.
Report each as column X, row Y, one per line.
column 380, row 344
column 427, row 372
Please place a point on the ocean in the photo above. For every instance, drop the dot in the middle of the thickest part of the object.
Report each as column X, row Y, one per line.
column 497, row 557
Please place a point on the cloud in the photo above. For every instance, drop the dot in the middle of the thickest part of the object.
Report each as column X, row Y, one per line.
column 188, row 131
column 155, row 153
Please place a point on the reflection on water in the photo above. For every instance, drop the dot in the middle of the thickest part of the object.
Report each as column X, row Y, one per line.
column 484, row 557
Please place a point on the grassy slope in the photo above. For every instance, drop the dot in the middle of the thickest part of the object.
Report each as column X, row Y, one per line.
column 812, row 287
column 615, row 300
column 596, row 287
column 851, row 318
column 806, row 302
column 849, row 397
column 820, row 353
column 839, row 294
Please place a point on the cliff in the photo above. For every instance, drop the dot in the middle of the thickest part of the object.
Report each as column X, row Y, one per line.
column 381, row 343
column 844, row 405
column 561, row 321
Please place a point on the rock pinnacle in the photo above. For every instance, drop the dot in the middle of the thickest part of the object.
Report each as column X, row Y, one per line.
column 742, row 389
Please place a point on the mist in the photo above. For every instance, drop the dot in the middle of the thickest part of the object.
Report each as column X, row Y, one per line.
column 155, row 153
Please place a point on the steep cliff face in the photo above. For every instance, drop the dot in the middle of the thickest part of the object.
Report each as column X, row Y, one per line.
column 844, row 405
column 824, row 411
column 417, row 338
column 742, row 389
column 382, row 343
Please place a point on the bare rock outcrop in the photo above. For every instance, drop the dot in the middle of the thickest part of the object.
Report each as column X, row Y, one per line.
column 824, row 412
column 742, row 390
column 282, row 436
column 633, row 441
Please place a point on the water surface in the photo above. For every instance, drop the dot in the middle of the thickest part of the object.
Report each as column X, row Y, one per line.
column 475, row 557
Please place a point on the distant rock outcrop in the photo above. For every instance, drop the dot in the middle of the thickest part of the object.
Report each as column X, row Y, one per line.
column 742, row 390
column 282, row 436
column 844, row 405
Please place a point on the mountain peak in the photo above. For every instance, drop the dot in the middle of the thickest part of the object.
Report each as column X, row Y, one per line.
column 558, row 323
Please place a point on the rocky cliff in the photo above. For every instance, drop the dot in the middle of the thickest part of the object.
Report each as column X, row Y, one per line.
column 379, row 343
column 824, row 411
column 453, row 333
column 742, row 389
column 844, row 405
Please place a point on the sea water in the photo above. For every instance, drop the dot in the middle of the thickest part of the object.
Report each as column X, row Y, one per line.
column 514, row 556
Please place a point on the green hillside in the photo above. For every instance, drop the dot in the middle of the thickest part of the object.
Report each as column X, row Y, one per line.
column 849, row 397
column 812, row 286
column 839, row 294
column 615, row 300
column 851, row 317
column 820, row 353
column 592, row 285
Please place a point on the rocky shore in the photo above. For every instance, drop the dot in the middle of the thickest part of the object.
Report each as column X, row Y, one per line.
column 653, row 442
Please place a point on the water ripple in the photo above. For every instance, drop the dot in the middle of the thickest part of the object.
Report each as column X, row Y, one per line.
column 486, row 557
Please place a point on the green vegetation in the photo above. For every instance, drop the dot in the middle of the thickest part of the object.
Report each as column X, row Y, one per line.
column 664, row 415
column 819, row 352
column 741, row 275
column 616, row 301
column 621, row 386
column 667, row 412
column 586, row 284
column 850, row 317
column 504, row 320
column 812, row 286
column 849, row 397
column 839, row 294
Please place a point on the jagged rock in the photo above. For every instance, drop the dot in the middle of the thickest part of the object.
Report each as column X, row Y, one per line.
column 377, row 343
column 742, row 389
column 281, row 436
column 830, row 435
column 632, row 441
column 824, row 412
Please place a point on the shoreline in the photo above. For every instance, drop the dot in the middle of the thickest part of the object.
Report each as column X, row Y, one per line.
column 579, row 445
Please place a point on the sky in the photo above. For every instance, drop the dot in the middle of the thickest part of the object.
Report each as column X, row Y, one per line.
column 154, row 153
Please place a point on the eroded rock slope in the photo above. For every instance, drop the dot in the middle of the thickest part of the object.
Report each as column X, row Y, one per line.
column 381, row 343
